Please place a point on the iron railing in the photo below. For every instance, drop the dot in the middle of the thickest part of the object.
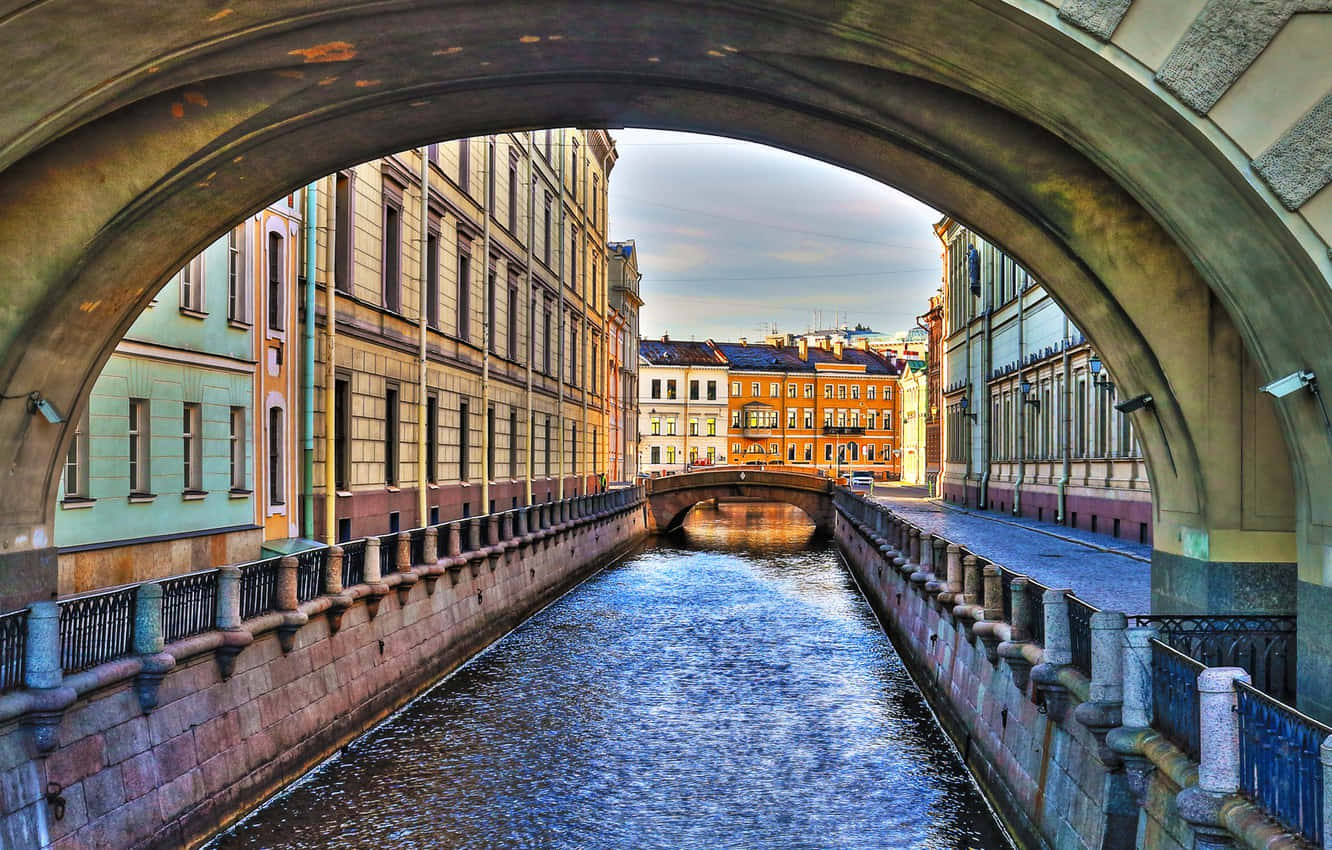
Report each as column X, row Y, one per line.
column 13, row 648
column 1006, row 577
column 1175, row 697
column 388, row 554
column 1263, row 645
column 258, row 587
column 96, row 628
column 1079, row 633
column 310, row 567
column 441, row 540
column 1279, row 765
column 1036, row 605
column 417, row 541
column 353, row 563
column 189, row 604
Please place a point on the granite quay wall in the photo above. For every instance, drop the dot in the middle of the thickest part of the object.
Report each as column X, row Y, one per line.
column 1085, row 732
column 157, row 729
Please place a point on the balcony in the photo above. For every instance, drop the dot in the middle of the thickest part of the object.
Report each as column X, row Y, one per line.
column 758, row 430
column 843, row 431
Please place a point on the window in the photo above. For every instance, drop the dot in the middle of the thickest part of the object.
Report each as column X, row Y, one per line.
column 869, row 392
column 869, row 420
column 790, row 419
column 490, row 444
column 809, row 452
column 512, row 342
column 712, row 390
column 754, row 389
column 809, row 390
column 869, row 451
column 513, row 192
column 712, row 454
column 827, row 390
column 654, row 455
column 656, row 388
column 855, row 391
column 774, row 390
column 490, row 177
column 573, row 356
column 809, row 419
column 790, row 453
column 342, row 434
column 465, row 440
column 432, row 153
column 670, row 426
column 655, row 426
column 191, row 438
column 432, row 279
column 492, row 333
column 464, row 164
column 236, row 448
column 735, row 388
column 575, row 259
column 191, row 285
column 276, row 438
column 545, row 341
column 670, row 454
column 693, row 390
column 827, row 451
column 391, row 435
column 712, row 426
column 773, row 448
column 545, row 238
column 392, row 268
column 841, row 391
column 463, row 320
column 238, row 290
column 887, row 420
column 548, row 444
column 596, row 195
column 513, row 442
column 827, row 418
column 343, row 242
column 573, row 447
column 693, row 426
column 139, row 477
column 573, row 166
column 735, row 419
column 790, row 390
column 276, row 282
column 670, row 388
column 432, row 438
column 76, row 462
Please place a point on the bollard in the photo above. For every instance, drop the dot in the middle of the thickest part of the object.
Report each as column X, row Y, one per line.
column 1050, row 693
column 1136, row 711
column 338, row 603
column 1103, row 711
column 286, row 599
column 402, row 556
column 474, row 534
column 1019, row 633
column 1218, row 766
column 453, row 545
column 44, row 672
column 372, row 575
column 926, row 559
column 235, row 636
column 993, row 588
column 913, row 546
column 149, row 639
column 520, row 522
column 955, row 578
column 971, row 580
column 430, row 547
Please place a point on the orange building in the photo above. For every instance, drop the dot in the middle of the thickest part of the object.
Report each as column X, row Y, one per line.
column 835, row 409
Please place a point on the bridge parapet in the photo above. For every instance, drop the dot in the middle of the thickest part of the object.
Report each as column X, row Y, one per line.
column 672, row 497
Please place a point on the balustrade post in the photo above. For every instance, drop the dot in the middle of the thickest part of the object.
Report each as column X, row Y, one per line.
column 1218, row 766
column 992, row 610
column 149, row 639
column 474, row 534
column 492, row 530
column 1103, row 711
column 338, row 602
column 373, row 577
column 972, row 588
column 1013, row 650
column 1058, row 652
column 453, row 545
column 520, row 523
column 1136, row 711
column 402, row 562
column 430, row 545
column 43, row 672
column 286, row 600
column 926, row 556
column 913, row 547
column 235, row 637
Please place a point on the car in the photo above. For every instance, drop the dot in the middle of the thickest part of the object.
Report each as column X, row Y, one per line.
column 862, row 481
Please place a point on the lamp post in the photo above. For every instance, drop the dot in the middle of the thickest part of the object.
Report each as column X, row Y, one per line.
column 1103, row 382
column 1026, row 395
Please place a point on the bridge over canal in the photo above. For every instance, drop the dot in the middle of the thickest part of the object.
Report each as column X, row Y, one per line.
column 672, row 497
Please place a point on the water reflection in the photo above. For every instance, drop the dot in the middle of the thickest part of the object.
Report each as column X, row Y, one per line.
column 726, row 689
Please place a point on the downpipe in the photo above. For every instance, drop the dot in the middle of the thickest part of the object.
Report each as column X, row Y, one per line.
column 987, row 347
column 1062, row 487
column 308, row 364
column 1022, row 412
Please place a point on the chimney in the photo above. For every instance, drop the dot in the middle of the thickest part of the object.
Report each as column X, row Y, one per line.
column 825, row 342
column 666, row 337
column 803, row 347
column 744, row 341
column 838, row 345
column 862, row 342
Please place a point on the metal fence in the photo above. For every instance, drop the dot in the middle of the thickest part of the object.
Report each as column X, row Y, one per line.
column 417, row 541
column 189, row 604
column 96, row 628
column 1079, row 633
column 13, row 648
column 1279, row 765
column 258, row 587
column 388, row 554
column 310, row 567
column 1175, row 697
column 1036, row 605
column 353, row 563
column 1262, row 645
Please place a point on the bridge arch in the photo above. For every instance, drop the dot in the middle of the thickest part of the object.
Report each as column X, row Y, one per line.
column 1175, row 209
column 671, row 498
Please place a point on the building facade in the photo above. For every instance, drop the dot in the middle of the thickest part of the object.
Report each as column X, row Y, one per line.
column 1030, row 426
column 622, row 369
column 683, row 404
column 171, row 469
column 465, row 369
column 932, row 321
column 915, row 413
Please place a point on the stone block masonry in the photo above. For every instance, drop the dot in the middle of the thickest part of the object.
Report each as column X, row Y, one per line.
column 215, row 747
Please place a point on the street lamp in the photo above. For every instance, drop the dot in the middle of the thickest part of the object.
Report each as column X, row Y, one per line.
column 963, row 403
column 1103, row 382
column 1027, row 398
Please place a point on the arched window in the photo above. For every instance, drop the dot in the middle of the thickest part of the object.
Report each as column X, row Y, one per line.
column 277, row 287
column 276, row 445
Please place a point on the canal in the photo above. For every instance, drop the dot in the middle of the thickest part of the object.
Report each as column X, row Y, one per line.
column 727, row 689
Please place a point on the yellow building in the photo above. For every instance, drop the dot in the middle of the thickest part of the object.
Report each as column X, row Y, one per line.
column 468, row 355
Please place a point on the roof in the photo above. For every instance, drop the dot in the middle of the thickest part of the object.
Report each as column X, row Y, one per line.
column 768, row 358
column 672, row 353
column 874, row 364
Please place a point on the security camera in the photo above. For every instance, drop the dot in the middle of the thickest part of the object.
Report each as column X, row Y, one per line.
column 1282, row 387
column 1138, row 402
column 37, row 404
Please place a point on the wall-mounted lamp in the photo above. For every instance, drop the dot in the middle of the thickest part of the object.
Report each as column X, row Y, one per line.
column 1138, row 402
column 1027, row 397
column 963, row 404
column 1295, row 381
column 1103, row 382
column 37, row 404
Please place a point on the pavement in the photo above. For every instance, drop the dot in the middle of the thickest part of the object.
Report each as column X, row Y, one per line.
column 1108, row 573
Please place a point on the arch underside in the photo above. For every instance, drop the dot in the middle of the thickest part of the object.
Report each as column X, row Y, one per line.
column 119, row 164
column 669, row 510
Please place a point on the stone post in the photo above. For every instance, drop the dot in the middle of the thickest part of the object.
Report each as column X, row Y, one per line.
column 453, row 545
column 1019, row 633
column 149, row 639
column 286, row 600
column 373, row 577
column 520, row 529
column 926, row 559
column 338, row 602
column 913, row 546
column 992, row 585
column 506, row 525
column 1218, row 767
column 955, row 578
column 1136, row 711
column 1050, row 692
column 402, row 556
column 971, row 580
column 228, row 598
column 492, row 530
column 44, row 673
column 431, row 545
column 1102, row 712
column 474, row 534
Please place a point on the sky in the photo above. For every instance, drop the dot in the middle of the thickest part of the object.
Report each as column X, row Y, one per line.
column 734, row 237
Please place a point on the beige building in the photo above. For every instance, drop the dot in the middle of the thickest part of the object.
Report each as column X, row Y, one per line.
column 468, row 357
column 915, row 414
column 682, row 405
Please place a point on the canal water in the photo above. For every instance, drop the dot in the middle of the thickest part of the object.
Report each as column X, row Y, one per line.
column 730, row 688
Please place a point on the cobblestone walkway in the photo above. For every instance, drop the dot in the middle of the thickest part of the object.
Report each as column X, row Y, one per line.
column 1108, row 573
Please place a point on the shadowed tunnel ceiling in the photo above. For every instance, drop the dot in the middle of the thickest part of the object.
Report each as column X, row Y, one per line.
column 128, row 141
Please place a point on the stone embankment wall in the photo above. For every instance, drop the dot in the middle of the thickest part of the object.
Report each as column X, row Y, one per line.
column 304, row 682
column 973, row 657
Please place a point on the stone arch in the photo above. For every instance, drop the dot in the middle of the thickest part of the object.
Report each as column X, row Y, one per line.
column 1186, row 234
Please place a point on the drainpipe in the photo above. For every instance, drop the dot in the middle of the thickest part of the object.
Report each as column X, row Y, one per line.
column 486, row 331
column 986, row 366
column 308, row 366
column 1022, row 413
column 531, row 305
column 559, row 363
column 330, row 364
column 1064, row 432
column 422, row 509
column 971, row 395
